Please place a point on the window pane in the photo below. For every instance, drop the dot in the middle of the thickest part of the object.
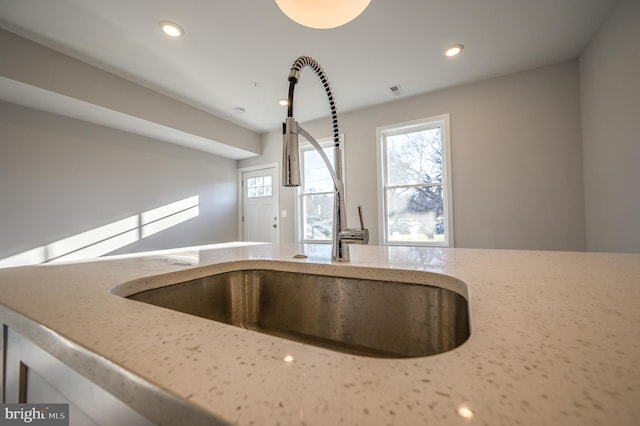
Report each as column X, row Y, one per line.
column 259, row 187
column 267, row 186
column 315, row 196
column 317, row 216
column 316, row 176
column 414, row 158
column 415, row 214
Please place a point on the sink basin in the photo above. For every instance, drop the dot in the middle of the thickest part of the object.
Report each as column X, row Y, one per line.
column 351, row 315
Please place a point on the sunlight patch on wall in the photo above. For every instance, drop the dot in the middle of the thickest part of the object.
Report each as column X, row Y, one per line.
column 96, row 242
column 29, row 257
column 107, row 238
column 156, row 220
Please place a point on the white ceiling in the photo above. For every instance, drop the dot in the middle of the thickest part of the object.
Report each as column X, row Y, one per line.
column 237, row 53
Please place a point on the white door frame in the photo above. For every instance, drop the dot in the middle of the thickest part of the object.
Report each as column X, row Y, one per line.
column 276, row 195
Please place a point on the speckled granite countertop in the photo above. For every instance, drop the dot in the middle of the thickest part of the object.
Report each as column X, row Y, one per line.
column 555, row 339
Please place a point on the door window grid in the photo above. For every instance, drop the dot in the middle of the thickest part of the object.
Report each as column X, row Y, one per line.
column 260, row 186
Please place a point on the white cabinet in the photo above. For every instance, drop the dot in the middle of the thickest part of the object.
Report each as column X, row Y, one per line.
column 32, row 375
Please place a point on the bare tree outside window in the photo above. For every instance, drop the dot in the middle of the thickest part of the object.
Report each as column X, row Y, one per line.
column 414, row 181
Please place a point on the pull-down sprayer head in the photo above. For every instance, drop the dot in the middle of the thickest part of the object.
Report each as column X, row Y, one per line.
column 291, row 156
column 291, row 160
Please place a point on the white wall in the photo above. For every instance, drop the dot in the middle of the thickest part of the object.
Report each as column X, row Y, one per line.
column 516, row 159
column 60, row 177
column 610, row 104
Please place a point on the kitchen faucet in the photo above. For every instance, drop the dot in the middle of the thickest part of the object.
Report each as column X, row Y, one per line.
column 342, row 236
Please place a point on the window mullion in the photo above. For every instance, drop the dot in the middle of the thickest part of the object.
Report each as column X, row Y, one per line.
column 417, row 185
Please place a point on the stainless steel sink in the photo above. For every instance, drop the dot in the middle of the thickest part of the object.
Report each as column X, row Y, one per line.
column 356, row 316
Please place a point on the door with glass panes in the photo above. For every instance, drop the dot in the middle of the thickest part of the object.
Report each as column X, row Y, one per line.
column 260, row 207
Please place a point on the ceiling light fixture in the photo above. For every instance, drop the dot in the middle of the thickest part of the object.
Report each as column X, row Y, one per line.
column 454, row 50
column 322, row 14
column 283, row 102
column 171, row 29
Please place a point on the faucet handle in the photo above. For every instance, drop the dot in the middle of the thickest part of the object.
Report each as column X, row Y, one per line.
column 359, row 236
column 365, row 231
column 360, row 215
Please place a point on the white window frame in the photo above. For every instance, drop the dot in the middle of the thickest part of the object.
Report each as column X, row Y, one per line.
column 439, row 121
column 326, row 142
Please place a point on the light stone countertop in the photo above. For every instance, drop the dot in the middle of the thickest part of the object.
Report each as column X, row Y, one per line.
column 555, row 340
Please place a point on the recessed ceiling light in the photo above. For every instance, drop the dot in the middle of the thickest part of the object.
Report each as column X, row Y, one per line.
column 454, row 50
column 171, row 29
